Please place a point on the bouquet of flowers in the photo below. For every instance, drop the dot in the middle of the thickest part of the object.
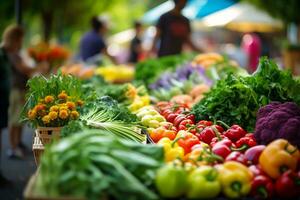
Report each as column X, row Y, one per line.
column 54, row 54
column 53, row 102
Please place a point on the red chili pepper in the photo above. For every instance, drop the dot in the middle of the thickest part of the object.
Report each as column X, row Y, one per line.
column 288, row 184
column 238, row 157
column 247, row 141
column 262, row 187
column 187, row 141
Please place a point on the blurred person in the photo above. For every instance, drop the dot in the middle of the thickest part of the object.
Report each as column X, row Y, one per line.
column 92, row 44
column 251, row 45
column 136, row 44
column 14, row 76
column 173, row 30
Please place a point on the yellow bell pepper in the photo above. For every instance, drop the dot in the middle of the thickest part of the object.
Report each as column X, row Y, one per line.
column 172, row 151
column 278, row 157
column 235, row 179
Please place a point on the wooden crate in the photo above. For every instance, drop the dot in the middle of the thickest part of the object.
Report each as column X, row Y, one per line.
column 47, row 134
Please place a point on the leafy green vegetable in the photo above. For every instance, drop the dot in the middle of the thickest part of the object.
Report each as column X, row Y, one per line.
column 102, row 119
column 95, row 164
column 222, row 69
column 116, row 110
column 236, row 99
column 149, row 70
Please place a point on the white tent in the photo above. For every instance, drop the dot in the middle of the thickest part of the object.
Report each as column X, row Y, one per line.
column 242, row 17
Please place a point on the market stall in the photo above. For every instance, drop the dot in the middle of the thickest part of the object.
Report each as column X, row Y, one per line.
column 185, row 126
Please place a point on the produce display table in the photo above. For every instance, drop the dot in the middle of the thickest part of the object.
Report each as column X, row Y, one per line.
column 184, row 128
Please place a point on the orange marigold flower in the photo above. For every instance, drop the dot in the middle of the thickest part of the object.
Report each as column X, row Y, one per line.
column 80, row 103
column 40, row 107
column 71, row 105
column 63, row 114
column 53, row 115
column 46, row 119
column 31, row 114
column 49, row 99
column 63, row 95
column 54, row 108
column 42, row 113
column 74, row 114
column 63, row 107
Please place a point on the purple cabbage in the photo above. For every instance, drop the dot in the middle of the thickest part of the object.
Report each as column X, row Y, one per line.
column 181, row 74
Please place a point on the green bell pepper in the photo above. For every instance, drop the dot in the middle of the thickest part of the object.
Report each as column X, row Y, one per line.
column 203, row 183
column 171, row 181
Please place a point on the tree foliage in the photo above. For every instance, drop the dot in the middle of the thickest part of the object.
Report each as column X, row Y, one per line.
column 65, row 18
column 286, row 10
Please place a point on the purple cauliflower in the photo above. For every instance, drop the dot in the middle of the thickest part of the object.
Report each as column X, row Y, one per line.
column 278, row 120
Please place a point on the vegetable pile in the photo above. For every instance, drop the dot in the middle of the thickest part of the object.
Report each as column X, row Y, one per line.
column 237, row 99
column 216, row 132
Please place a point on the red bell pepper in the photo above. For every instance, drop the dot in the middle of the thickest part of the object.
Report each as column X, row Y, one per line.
column 238, row 157
column 187, row 141
column 209, row 132
column 191, row 117
column 288, row 184
column 178, row 120
column 253, row 153
column 205, row 123
column 215, row 140
column 171, row 117
column 185, row 124
column 234, row 133
column 246, row 142
column 262, row 187
column 222, row 148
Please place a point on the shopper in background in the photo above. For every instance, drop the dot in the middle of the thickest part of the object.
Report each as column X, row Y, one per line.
column 14, row 75
column 136, row 44
column 251, row 45
column 92, row 44
column 173, row 31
